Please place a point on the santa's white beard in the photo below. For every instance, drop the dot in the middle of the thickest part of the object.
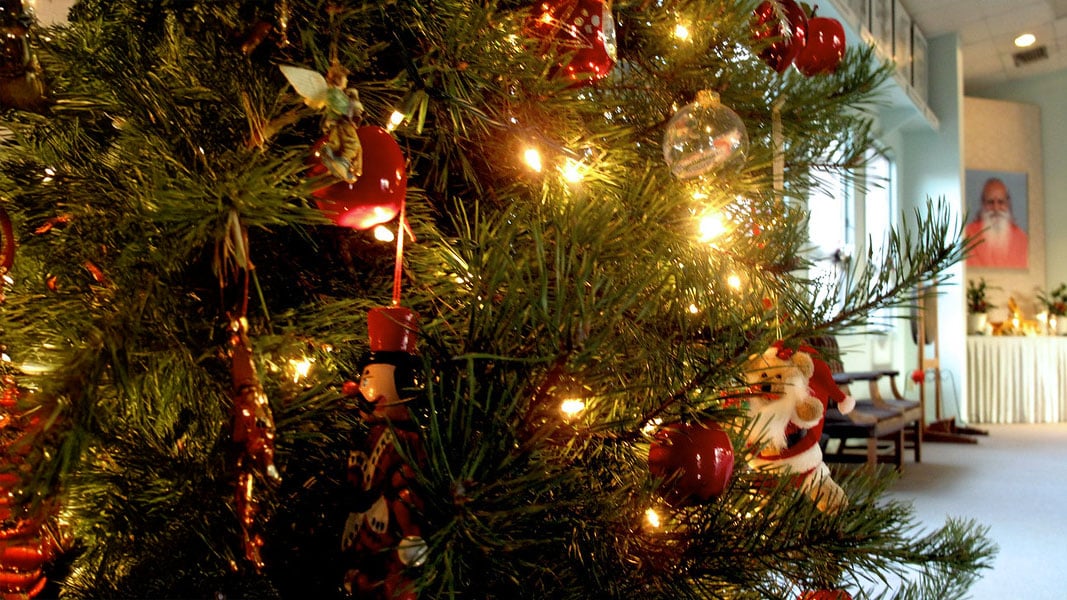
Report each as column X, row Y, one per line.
column 998, row 227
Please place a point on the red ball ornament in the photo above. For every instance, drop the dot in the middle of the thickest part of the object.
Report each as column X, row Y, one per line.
column 695, row 461
column 378, row 195
column 787, row 38
column 584, row 27
column 824, row 49
column 826, row 595
column 918, row 375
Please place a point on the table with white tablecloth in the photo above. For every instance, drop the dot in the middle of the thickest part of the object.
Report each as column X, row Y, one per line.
column 1016, row 379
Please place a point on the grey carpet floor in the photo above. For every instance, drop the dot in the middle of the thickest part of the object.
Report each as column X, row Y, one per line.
column 1012, row 481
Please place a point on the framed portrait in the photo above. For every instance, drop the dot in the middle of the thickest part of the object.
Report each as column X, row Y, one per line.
column 998, row 218
column 919, row 67
column 902, row 40
column 882, row 25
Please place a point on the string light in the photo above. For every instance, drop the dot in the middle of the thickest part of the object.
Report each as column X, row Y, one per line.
column 571, row 407
column 532, row 156
column 694, row 309
column 395, row 120
column 681, row 32
column 383, row 234
column 734, row 281
column 711, row 226
column 573, row 171
column 652, row 518
column 301, row 367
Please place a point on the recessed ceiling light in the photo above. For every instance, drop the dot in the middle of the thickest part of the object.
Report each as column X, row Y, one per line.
column 1025, row 40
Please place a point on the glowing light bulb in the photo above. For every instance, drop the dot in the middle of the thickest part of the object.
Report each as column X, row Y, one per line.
column 694, row 309
column 734, row 281
column 681, row 32
column 573, row 171
column 301, row 367
column 383, row 234
column 395, row 120
column 571, row 407
column 532, row 156
column 652, row 517
column 1025, row 40
column 711, row 226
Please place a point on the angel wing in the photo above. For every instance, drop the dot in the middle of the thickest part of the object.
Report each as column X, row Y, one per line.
column 311, row 85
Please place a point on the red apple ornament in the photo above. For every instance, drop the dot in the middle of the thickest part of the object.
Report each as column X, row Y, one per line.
column 378, row 195
column 786, row 38
column 584, row 27
column 824, row 49
column 695, row 461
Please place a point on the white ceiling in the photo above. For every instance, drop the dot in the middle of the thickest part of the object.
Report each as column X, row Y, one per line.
column 987, row 29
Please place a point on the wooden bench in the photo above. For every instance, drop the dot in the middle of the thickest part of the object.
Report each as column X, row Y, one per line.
column 910, row 410
column 877, row 421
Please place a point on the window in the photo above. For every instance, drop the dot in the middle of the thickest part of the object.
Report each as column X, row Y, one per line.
column 846, row 219
column 879, row 210
column 831, row 229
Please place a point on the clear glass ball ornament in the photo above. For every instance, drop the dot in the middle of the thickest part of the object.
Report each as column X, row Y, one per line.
column 703, row 137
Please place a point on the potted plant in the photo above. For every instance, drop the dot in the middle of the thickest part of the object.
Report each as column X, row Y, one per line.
column 1055, row 303
column 978, row 305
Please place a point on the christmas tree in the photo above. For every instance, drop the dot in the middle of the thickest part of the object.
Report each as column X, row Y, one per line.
column 326, row 299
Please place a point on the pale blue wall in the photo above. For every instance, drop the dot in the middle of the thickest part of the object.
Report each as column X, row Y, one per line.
column 930, row 166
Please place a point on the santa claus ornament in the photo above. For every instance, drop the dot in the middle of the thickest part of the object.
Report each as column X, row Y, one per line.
column 383, row 536
column 786, row 415
column 583, row 29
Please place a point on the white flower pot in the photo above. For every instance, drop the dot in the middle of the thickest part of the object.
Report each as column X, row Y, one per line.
column 976, row 323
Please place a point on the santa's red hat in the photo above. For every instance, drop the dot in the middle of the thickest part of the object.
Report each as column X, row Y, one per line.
column 824, row 387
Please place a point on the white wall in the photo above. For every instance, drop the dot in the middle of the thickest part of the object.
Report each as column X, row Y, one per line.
column 1049, row 94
